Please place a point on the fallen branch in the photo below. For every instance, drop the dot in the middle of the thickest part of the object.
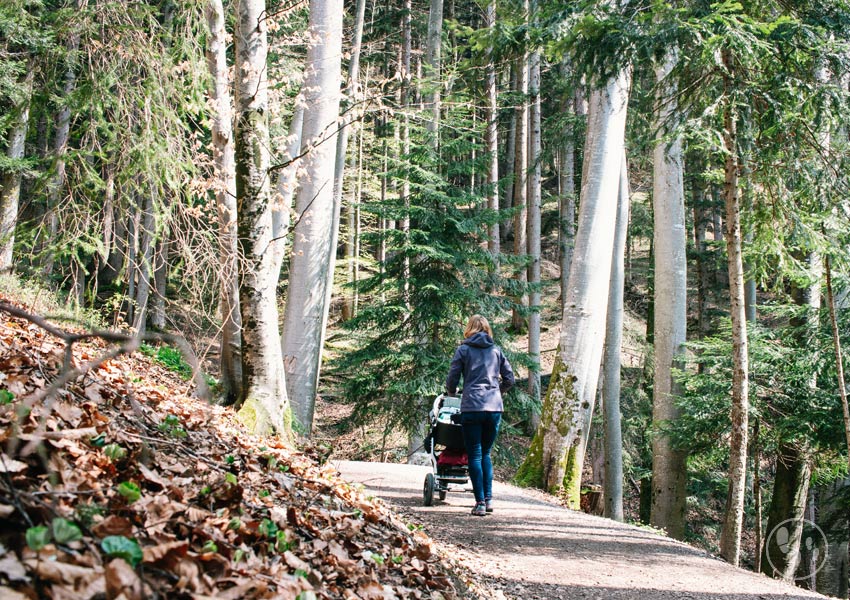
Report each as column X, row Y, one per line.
column 127, row 344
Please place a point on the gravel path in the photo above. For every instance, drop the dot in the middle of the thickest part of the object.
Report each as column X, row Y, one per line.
column 532, row 548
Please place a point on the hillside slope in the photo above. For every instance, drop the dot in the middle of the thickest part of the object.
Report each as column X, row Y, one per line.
column 122, row 485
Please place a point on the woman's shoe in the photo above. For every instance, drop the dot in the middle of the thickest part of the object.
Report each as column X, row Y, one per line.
column 488, row 505
column 480, row 510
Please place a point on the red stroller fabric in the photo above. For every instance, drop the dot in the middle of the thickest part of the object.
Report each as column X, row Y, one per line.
column 452, row 457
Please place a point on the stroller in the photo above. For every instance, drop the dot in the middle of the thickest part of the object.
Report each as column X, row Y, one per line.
column 449, row 464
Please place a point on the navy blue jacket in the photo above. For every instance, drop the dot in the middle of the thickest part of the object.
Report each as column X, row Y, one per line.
column 481, row 363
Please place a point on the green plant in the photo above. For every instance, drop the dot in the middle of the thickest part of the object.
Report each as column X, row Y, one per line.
column 85, row 513
column 6, row 397
column 210, row 547
column 38, row 537
column 172, row 359
column 65, row 531
column 172, row 426
column 130, row 491
column 118, row 546
column 114, row 452
column 268, row 528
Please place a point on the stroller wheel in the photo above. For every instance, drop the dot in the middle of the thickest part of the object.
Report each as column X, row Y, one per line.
column 428, row 490
column 442, row 494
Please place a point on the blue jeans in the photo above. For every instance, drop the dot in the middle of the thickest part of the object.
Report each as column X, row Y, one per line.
column 479, row 433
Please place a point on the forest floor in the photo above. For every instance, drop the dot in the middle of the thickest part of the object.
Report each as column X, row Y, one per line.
column 531, row 547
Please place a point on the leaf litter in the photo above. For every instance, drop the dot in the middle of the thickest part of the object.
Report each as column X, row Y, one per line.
column 124, row 486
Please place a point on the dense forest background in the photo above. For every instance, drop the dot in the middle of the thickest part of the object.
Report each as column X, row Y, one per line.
column 648, row 199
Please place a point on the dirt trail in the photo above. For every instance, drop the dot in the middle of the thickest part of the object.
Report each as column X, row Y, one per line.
column 532, row 548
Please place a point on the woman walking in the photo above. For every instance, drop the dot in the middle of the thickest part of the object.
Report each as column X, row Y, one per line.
column 487, row 374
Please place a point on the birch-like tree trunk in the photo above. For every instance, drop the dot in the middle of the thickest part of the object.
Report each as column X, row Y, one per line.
column 265, row 407
column 669, row 477
column 225, row 195
column 534, row 208
column 10, row 185
column 556, row 455
column 567, row 196
column 492, row 116
column 287, row 184
column 730, row 535
column 613, row 450
column 315, row 235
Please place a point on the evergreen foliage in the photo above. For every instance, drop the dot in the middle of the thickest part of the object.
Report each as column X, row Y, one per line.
column 435, row 276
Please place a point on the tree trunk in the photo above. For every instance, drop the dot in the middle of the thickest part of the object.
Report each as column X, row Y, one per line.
column 567, row 196
column 225, row 172
column 492, row 116
column 839, row 363
column 114, row 239
column 611, row 362
column 135, row 222
column 160, row 282
column 352, row 97
column 520, row 196
column 534, row 208
column 669, row 474
column 757, row 505
column 701, row 217
column 60, row 146
column 144, row 263
column 433, row 46
column 315, row 235
column 557, row 453
column 404, row 136
column 507, row 200
column 730, row 536
column 10, row 184
column 287, row 183
column 781, row 553
column 265, row 407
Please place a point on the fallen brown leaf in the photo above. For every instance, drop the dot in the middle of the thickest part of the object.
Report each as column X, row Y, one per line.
column 122, row 580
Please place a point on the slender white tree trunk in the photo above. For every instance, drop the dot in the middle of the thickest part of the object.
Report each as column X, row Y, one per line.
column 225, row 193
column 534, row 208
column 265, row 407
column 730, row 535
column 669, row 477
column 566, row 197
column 492, row 116
column 613, row 450
column 520, row 196
column 556, row 455
column 287, row 184
column 10, row 185
column 315, row 235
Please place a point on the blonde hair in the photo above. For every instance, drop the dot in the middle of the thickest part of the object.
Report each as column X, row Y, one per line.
column 476, row 324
